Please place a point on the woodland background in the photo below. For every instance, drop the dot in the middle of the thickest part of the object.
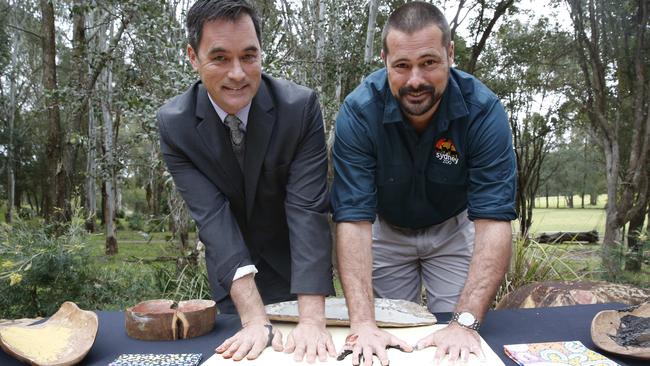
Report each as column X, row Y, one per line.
column 91, row 215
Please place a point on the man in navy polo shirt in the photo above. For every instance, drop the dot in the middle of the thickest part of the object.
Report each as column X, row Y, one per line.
column 424, row 188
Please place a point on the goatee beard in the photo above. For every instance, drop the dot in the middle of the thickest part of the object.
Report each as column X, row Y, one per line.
column 417, row 109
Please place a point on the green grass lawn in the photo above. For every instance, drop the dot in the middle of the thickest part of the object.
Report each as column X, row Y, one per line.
column 565, row 219
column 139, row 248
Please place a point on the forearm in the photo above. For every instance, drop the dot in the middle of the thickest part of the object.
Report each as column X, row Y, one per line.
column 492, row 251
column 312, row 309
column 354, row 255
column 248, row 301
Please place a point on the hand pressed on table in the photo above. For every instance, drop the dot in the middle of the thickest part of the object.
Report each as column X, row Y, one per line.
column 455, row 341
column 366, row 340
column 310, row 339
column 250, row 341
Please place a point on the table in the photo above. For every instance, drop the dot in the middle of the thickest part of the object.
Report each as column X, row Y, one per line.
column 500, row 327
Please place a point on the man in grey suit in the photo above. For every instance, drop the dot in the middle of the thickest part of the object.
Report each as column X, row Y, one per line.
column 247, row 153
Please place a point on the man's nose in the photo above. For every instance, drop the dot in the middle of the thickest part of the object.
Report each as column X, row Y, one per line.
column 236, row 71
column 415, row 79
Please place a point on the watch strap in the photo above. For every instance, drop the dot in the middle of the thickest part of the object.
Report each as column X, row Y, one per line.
column 474, row 326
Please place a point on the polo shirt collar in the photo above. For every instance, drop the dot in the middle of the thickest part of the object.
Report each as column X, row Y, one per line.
column 452, row 106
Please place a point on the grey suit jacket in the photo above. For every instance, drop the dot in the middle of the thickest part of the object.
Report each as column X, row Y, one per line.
column 277, row 209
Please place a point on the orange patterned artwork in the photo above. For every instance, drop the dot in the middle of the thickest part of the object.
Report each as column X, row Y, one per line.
column 572, row 353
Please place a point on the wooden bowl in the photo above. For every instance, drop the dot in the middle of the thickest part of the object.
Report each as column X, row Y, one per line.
column 156, row 320
column 606, row 323
column 64, row 339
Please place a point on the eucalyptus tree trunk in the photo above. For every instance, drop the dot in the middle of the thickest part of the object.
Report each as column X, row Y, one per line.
column 373, row 6
column 54, row 191
column 91, row 172
column 635, row 238
column 11, row 178
column 320, row 44
column 180, row 227
column 108, row 144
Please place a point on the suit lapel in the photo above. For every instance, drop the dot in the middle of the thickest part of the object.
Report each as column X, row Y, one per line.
column 216, row 144
column 258, row 134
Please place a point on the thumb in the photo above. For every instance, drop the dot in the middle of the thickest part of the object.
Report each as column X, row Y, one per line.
column 425, row 342
column 290, row 346
column 277, row 341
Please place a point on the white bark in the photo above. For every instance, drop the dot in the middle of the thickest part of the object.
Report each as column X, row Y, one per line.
column 11, row 179
column 373, row 6
column 91, row 158
column 91, row 166
column 107, row 119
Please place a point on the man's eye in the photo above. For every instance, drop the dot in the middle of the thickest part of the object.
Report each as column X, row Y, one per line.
column 219, row 58
column 250, row 58
column 401, row 66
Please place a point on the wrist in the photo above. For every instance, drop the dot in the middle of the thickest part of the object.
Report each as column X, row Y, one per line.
column 312, row 320
column 362, row 324
column 466, row 320
column 259, row 319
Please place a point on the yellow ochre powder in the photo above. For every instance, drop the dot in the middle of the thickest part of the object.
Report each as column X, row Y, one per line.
column 39, row 344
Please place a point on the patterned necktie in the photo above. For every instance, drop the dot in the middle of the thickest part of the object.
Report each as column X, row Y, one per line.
column 236, row 138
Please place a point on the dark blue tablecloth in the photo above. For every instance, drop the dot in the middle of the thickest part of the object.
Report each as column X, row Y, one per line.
column 500, row 327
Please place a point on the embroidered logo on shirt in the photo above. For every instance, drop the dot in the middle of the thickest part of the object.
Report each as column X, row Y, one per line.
column 446, row 151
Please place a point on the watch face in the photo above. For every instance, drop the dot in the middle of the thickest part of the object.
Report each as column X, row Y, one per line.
column 466, row 319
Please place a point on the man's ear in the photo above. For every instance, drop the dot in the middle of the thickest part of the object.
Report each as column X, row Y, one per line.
column 382, row 54
column 194, row 58
column 451, row 52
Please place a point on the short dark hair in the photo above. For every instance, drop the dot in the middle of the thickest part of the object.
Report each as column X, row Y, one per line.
column 208, row 10
column 412, row 17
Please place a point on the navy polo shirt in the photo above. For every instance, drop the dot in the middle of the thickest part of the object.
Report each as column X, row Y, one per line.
column 463, row 160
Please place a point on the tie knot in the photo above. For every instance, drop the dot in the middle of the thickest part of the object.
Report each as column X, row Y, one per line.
column 234, row 124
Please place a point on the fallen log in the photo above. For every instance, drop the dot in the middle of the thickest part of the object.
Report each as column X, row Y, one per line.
column 560, row 237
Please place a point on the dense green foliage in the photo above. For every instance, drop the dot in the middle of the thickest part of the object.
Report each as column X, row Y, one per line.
column 39, row 271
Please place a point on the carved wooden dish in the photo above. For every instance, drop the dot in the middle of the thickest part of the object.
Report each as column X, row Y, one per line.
column 156, row 320
column 605, row 325
column 64, row 339
column 388, row 313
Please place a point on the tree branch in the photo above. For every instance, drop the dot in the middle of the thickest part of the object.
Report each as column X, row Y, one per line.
column 24, row 30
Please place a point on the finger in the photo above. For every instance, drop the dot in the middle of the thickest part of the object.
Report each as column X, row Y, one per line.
column 331, row 349
column 367, row 356
column 356, row 355
column 464, row 355
column 478, row 351
column 234, row 346
column 321, row 351
column 242, row 351
column 441, row 351
column 311, row 352
column 225, row 345
column 256, row 350
column 277, row 341
column 290, row 346
column 299, row 352
column 425, row 342
column 453, row 354
column 382, row 355
column 394, row 341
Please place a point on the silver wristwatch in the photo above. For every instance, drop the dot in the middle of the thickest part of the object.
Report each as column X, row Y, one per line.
column 467, row 320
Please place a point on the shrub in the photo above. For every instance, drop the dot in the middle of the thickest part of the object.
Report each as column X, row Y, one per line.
column 135, row 221
column 39, row 270
column 191, row 282
column 534, row 262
